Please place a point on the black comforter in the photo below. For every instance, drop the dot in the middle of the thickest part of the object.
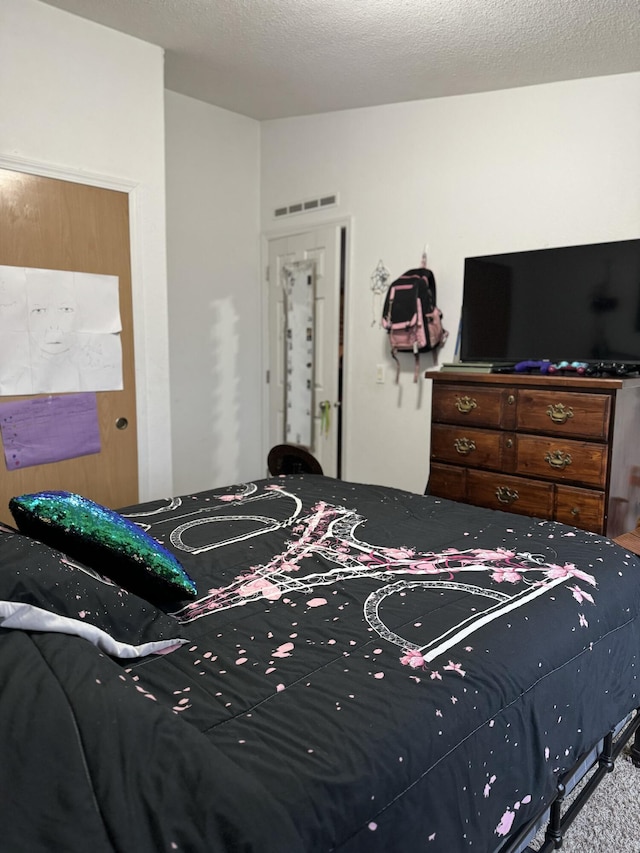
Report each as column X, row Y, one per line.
column 368, row 671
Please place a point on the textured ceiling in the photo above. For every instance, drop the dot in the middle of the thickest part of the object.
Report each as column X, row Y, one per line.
column 275, row 58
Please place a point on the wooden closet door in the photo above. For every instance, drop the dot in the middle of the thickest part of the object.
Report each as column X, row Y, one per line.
column 60, row 225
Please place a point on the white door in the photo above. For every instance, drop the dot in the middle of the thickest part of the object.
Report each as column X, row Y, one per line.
column 323, row 247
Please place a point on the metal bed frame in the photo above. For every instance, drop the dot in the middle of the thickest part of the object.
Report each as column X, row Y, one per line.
column 599, row 762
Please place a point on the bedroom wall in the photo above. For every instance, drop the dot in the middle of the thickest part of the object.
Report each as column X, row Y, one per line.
column 213, row 253
column 546, row 165
column 501, row 171
column 79, row 98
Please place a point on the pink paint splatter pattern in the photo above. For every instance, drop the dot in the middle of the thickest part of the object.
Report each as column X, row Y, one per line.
column 327, row 532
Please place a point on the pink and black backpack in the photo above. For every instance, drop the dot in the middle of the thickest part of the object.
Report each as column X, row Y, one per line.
column 412, row 318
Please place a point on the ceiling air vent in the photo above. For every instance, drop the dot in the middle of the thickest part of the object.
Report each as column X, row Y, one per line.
column 306, row 206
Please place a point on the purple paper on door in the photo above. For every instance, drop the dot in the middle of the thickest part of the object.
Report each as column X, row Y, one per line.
column 49, row 429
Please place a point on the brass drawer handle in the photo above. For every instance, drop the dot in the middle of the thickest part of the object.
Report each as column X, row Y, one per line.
column 506, row 495
column 465, row 405
column 464, row 446
column 559, row 414
column 558, row 459
column 575, row 511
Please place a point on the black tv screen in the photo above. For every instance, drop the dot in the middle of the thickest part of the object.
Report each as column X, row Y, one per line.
column 576, row 303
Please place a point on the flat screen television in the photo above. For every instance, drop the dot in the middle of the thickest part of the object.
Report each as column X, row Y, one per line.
column 575, row 303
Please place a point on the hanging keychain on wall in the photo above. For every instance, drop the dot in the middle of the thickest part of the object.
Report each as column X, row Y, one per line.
column 379, row 283
column 325, row 417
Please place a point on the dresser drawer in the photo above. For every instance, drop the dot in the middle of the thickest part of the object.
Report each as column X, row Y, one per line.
column 573, row 415
column 512, row 494
column 582, row 508
column 573, row 461
column 447, row 481
column 481, row 448
column 474, row 406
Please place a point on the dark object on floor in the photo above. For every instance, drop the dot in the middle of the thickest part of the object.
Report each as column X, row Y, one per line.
column 291, row 459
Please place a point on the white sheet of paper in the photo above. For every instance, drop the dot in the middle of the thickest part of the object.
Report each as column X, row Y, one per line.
column 100, row 313
column 13, row 298
column 15, row 363
column 59, row 332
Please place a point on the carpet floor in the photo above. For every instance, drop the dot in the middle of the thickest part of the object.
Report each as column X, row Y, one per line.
column 610, row 821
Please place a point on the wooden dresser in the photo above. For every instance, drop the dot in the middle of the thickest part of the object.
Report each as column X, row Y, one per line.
column 564, row 447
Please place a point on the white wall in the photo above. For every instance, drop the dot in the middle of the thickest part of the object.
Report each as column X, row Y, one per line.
column 82, row 99
column 518, row 169
column 213, row 249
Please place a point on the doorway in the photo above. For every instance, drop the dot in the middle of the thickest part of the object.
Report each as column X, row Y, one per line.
column 325, row 247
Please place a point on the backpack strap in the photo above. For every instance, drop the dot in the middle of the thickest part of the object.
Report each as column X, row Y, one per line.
column 394, row 352
column 394, row 356
column 416, row 368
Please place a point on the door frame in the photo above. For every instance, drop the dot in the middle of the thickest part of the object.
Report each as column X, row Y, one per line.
column 132, row 189
column 304, row 227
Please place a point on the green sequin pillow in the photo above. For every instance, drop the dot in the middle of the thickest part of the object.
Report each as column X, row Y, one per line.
column 105, row 541
column 42, row 589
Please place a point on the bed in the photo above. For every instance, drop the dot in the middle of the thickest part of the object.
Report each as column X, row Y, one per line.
column 357, row 669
